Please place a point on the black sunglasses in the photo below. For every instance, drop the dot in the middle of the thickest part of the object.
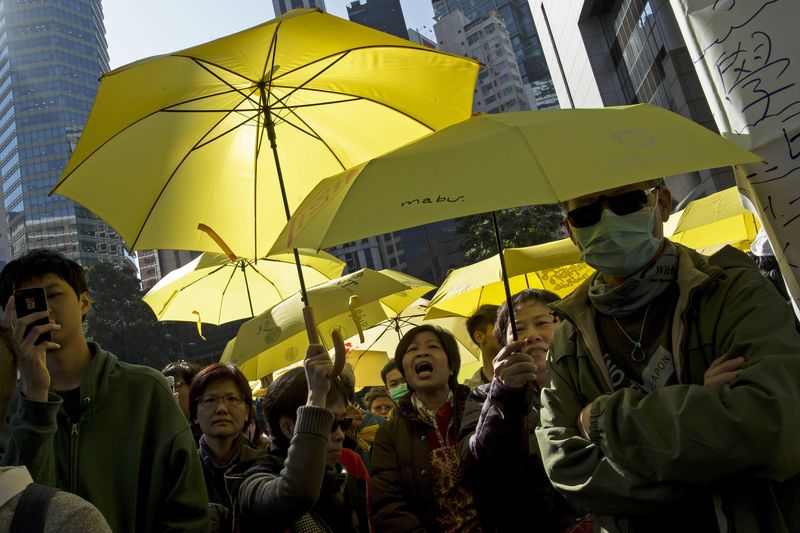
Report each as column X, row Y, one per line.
column 343, row 424
column 620, row 204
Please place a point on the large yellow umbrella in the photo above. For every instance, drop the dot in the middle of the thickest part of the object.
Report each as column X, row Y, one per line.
column 357, row 301
column 492, row 162
column 215, row 289
column 706, row 225
column 234, row 133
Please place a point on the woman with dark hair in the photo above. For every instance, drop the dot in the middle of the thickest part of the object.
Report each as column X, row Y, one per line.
column 416, row 468
column 220, row 405
column 301, row 485
column 499, row 452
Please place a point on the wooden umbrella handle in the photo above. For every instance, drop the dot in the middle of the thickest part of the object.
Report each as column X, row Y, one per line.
column 340, row 351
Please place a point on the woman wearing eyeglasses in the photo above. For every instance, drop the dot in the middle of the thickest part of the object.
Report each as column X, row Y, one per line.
column 301, row 484
column 220, row 404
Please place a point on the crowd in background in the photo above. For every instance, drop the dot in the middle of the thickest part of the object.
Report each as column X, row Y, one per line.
column 668, row 381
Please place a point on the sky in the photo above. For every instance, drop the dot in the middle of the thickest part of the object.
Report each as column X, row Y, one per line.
column 141, row 28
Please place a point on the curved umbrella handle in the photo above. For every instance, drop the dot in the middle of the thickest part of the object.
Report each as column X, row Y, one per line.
column 340, row 352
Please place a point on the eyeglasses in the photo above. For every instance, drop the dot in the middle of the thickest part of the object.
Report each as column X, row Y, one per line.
column 620, row 204
column 342, row 423
column 212, row 401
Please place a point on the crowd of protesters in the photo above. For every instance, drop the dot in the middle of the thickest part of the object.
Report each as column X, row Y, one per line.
column 661, row 395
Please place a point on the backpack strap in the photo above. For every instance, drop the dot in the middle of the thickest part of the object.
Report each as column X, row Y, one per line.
column 32, row 509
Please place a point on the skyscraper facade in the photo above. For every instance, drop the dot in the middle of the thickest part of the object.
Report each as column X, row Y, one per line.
column 516, row 14
column 283, row 6
column 499, row 87
column 52, row 54
column 619, row 52
column 383, row 15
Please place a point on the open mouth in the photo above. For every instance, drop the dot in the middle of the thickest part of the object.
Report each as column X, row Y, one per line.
column 423, row 367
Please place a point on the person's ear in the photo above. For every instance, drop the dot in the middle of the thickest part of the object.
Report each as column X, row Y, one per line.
column 86, row 302
column 287, row 426
column 479, row 338
column 569, row 231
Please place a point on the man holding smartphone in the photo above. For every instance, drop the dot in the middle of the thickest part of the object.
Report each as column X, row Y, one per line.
column 85, row 422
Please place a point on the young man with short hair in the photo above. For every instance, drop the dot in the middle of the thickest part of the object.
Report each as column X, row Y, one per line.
column 481, row 330
column 674, row 380
column 85, row 422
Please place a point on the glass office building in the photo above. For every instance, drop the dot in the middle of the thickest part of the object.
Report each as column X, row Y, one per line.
column 52, row 54
column 516, row 14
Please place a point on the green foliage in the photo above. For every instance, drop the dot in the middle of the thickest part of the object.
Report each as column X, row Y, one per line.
column 121, row 322
column 521, row 226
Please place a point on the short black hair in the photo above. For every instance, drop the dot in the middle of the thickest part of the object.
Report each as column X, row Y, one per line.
column 182, row 370
column 522, row 297
column 388, row 367
column 374, row 394
column 219, row 372
column 286, row 394
column 449, row 345
column 37, row 264
column 485, row 315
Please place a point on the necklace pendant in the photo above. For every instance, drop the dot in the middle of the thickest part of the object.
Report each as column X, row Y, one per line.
column 637, row 354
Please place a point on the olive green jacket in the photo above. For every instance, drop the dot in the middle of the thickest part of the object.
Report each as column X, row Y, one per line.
column 736, row 446
column 131, row 454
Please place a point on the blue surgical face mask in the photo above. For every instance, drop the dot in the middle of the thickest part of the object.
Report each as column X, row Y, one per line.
column 398, row 391
column 619, row 245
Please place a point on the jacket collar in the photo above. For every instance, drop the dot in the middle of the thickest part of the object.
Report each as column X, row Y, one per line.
column 694, row 273
column 94, row 384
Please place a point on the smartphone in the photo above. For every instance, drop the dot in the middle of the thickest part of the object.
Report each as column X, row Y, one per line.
column 30, row 301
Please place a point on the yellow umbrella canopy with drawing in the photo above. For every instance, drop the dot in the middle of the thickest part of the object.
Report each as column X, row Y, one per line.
column 349, row 304
column 706, row 225
column 215, row 289
column 493, row 162
column 234, row 133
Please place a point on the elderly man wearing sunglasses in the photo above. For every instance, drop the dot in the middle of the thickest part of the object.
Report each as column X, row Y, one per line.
column 673, row 380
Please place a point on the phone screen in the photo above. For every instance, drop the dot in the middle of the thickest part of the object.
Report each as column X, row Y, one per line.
column 29, row 301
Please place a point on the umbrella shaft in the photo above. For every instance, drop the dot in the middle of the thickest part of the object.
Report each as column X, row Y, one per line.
column 506, row 286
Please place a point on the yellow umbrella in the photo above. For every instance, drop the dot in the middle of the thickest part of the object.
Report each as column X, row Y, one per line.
column 215, row 290
column 347, row 304
column 706, row 225
column 385, row 335
column 493, row 162
column 234, row 133
column 367, row 366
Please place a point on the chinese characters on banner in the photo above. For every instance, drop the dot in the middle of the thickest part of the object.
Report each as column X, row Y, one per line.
column 748, row 61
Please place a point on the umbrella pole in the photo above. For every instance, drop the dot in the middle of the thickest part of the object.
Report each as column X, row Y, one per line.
column 308, row 313
column 506, row 284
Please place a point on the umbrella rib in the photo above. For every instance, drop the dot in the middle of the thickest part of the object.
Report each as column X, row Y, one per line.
column 367, row 47
column 225, row 290
column 356, row 96
column 257, row 271
column 312, row 78
column 202, row 65
column 132, row 124
column 224, row 133
column 226, row 69
column 315, row 135
column 298, row 106
column 197, row 99
column 169, row 180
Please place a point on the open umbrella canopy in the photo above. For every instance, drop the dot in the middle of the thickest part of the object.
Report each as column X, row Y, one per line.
column 277, row 337
column 492, row 162
column 706, row 225
column 385, row 335
column 215, row 290
column 185, row 138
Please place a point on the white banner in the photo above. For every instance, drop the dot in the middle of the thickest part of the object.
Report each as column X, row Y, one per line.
column 748, row 61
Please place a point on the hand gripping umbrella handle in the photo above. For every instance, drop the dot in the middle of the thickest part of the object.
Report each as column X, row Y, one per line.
column 313, row 338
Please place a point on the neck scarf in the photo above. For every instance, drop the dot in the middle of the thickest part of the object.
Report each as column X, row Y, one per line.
column 641, row 288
